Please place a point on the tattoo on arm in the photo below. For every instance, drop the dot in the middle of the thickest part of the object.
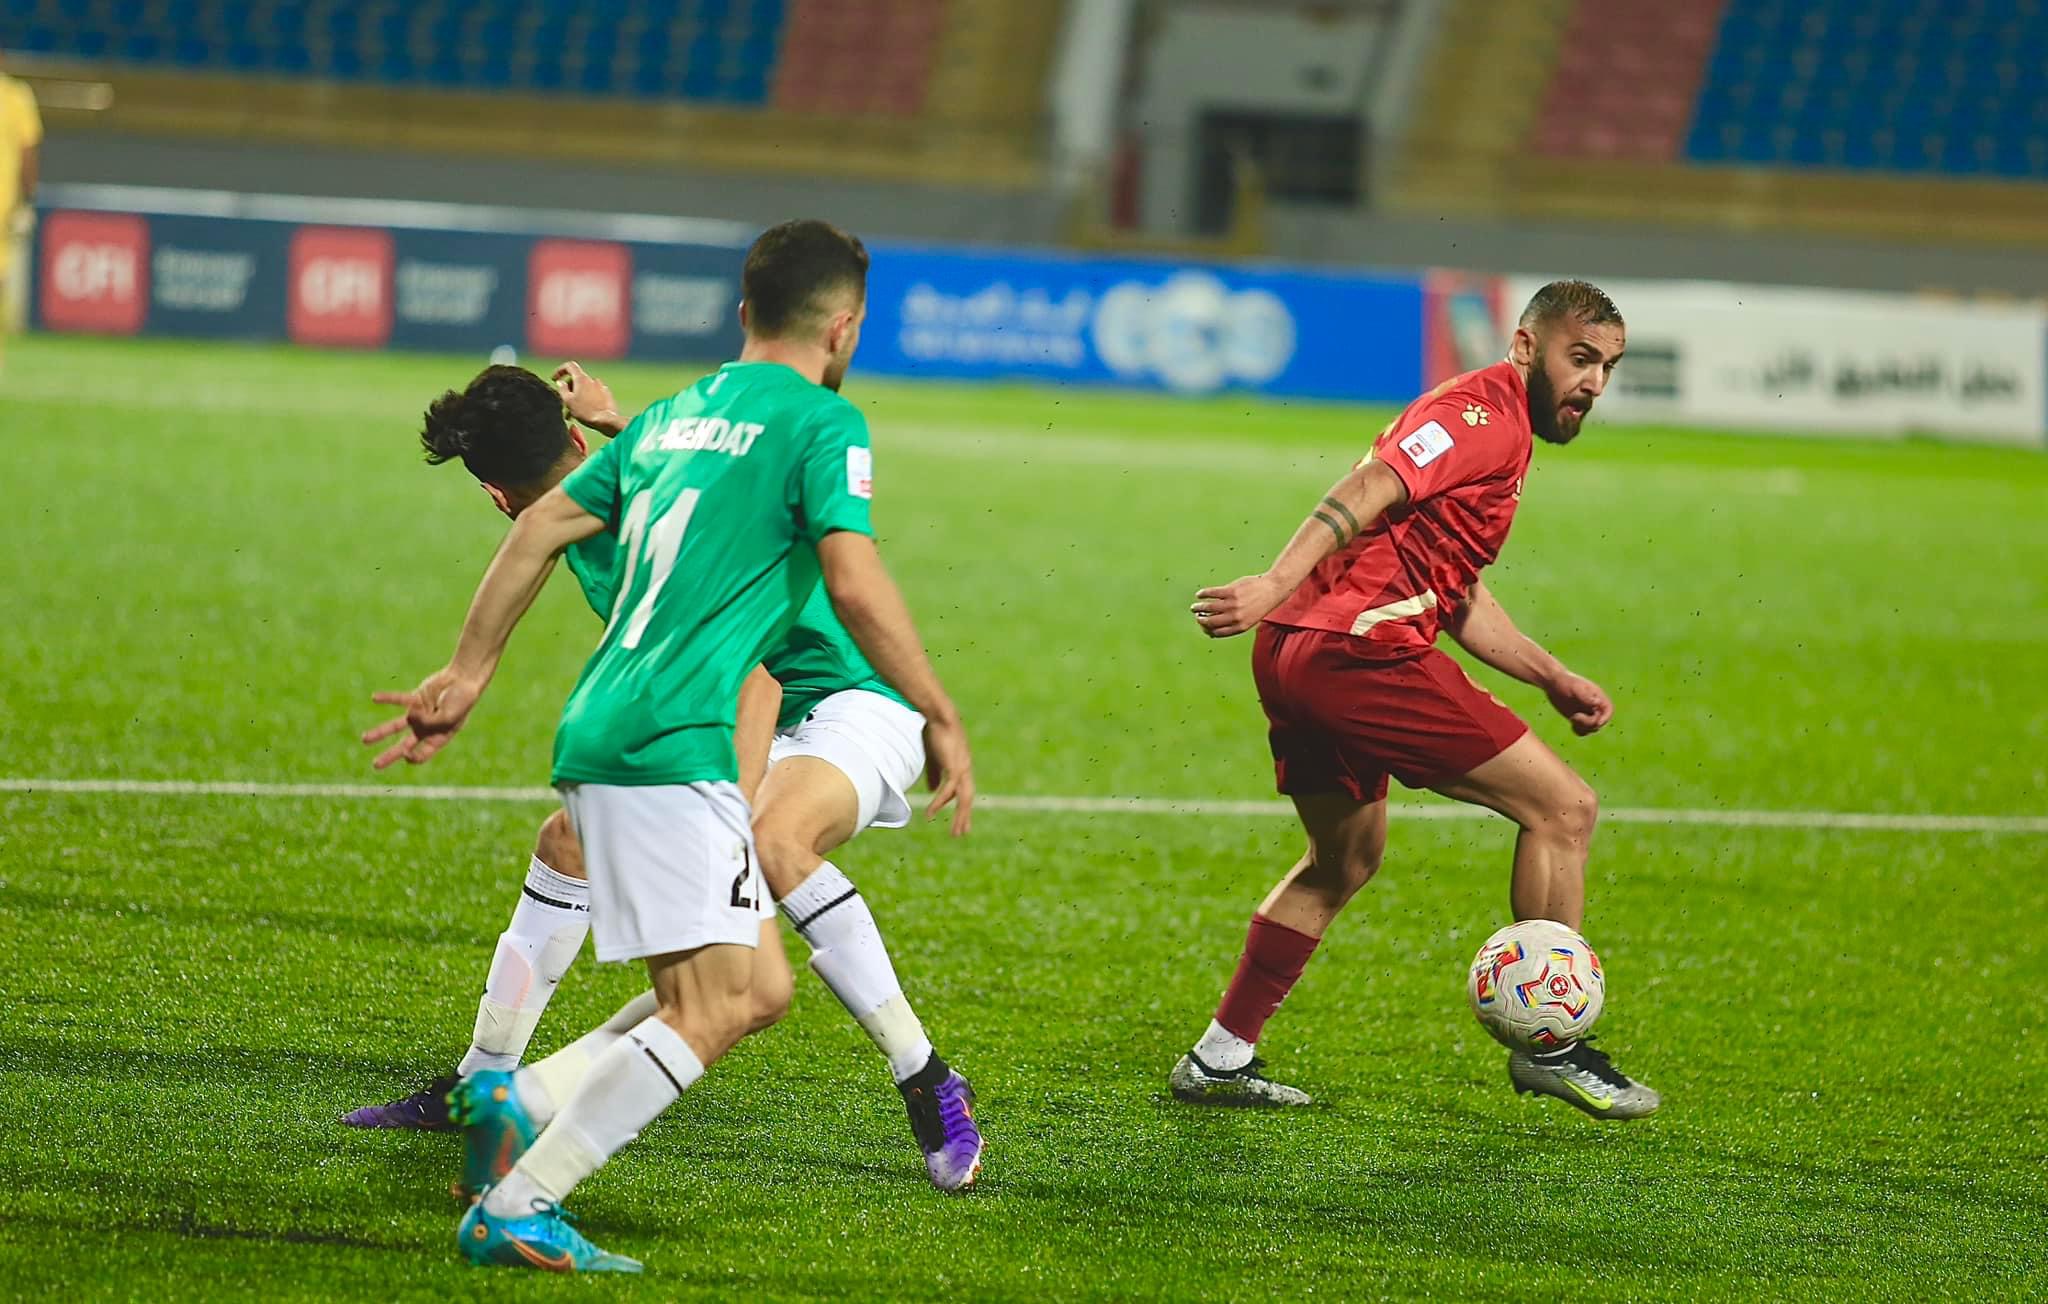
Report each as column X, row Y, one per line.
column 1335, row 528
column 1344, row 513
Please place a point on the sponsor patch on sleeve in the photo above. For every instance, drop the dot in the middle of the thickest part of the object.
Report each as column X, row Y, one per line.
column 860, row 472
column 1426, row 444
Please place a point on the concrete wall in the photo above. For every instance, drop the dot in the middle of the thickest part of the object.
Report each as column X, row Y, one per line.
column 874, row 208
column 1655, row 252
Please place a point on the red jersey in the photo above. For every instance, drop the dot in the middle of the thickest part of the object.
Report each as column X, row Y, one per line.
column 1462, row 449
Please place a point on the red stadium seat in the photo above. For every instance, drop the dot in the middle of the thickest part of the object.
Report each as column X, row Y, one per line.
column 858, row 56
column 1627, row 74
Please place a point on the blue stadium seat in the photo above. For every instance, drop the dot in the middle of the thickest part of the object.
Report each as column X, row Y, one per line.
column 494, row 36
column 346, row 63
column 192, row 51
column 1958, row 86
column 444, row 67
column 396, row 65
column 653, row 81
column 546, row 71
column 393, row 31
column 494, row 68
column 722, row 50
column 444, row 33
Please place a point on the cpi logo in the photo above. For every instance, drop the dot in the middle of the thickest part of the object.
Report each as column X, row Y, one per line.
column 95, row 272
column 576, row 298
column 1194, row 333
column 340, row 286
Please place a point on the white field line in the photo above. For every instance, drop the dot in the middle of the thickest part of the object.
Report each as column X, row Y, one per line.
column 1748, row 819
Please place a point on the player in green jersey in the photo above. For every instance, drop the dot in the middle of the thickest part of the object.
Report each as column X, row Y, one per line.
column 729, row 502
column 845, row 748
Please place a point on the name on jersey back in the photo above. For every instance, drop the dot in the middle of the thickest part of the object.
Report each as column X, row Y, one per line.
column 706, row 435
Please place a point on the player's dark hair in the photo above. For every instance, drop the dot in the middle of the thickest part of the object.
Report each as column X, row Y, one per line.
column 507, row 427
column 794, row 271
column 1581, row 301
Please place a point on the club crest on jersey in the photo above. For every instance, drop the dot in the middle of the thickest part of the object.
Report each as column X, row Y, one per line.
column 1426, row 444
column 1475, row 415
column 860, row 472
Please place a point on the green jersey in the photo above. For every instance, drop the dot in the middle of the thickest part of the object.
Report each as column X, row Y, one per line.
column 717, row 499
column 817, row 659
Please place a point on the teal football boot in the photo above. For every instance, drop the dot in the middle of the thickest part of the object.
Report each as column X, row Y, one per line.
column 545, row 1238
column 496, row 1129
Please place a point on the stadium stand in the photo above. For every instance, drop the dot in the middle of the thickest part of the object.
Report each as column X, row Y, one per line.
column 1952, row 86
column 1626, row 77
column 815, row 76
column 1889, row 118
column 718, row 51
column 942, row 90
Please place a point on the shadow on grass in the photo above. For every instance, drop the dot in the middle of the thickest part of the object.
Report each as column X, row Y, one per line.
column 214, row 916
column 192, row 1227
column 215, row 1065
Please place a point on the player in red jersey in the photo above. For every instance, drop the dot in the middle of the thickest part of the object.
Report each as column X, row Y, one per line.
column 1356, row 690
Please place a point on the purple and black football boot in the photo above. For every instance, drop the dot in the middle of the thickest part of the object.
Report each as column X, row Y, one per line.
column 425, row 1110
column 941, row 1106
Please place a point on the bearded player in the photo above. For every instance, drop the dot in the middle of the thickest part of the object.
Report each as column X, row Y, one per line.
column 1355, row 689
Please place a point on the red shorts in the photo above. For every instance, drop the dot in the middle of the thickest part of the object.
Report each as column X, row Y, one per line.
column 1346, row 713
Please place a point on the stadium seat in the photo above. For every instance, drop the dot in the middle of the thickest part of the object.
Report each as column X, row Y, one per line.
column 1905, row 85
column 721, row 50
column 899, row 39
column 1627, row 75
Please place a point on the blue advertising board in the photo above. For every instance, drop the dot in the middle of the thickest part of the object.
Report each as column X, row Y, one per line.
column 1191, row 329
column 449, row 278
column 217, row 280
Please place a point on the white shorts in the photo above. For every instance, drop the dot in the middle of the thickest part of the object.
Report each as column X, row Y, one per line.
column 875, row 741
column 671, row 867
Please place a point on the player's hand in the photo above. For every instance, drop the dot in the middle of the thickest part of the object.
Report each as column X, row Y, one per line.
column 588, row 399
column 433, row 713
column 1230, row 609
column 949, row 769
column 1583, row 702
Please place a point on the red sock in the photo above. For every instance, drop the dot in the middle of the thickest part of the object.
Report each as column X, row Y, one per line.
column 1274, row 956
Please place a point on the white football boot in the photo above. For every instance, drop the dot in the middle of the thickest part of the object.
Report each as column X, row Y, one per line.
column 1198, row 1084
column 1583, row 1078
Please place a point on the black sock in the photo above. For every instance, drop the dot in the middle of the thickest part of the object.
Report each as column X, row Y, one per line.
column 929, row 1077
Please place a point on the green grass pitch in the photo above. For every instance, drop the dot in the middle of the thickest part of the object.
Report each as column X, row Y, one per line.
column 218, row 552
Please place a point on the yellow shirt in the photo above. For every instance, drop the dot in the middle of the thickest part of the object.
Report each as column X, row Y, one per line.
column 21, row 129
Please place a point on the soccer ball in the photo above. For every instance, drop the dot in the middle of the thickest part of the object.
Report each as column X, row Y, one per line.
column 1536, row 985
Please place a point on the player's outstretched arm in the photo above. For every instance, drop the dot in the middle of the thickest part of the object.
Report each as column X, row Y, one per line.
column 873, row 611
column 1352, row 504
column 438, row 707
column 1483, row 628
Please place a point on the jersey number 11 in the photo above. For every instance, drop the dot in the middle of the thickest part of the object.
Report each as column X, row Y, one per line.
column 663, row 540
